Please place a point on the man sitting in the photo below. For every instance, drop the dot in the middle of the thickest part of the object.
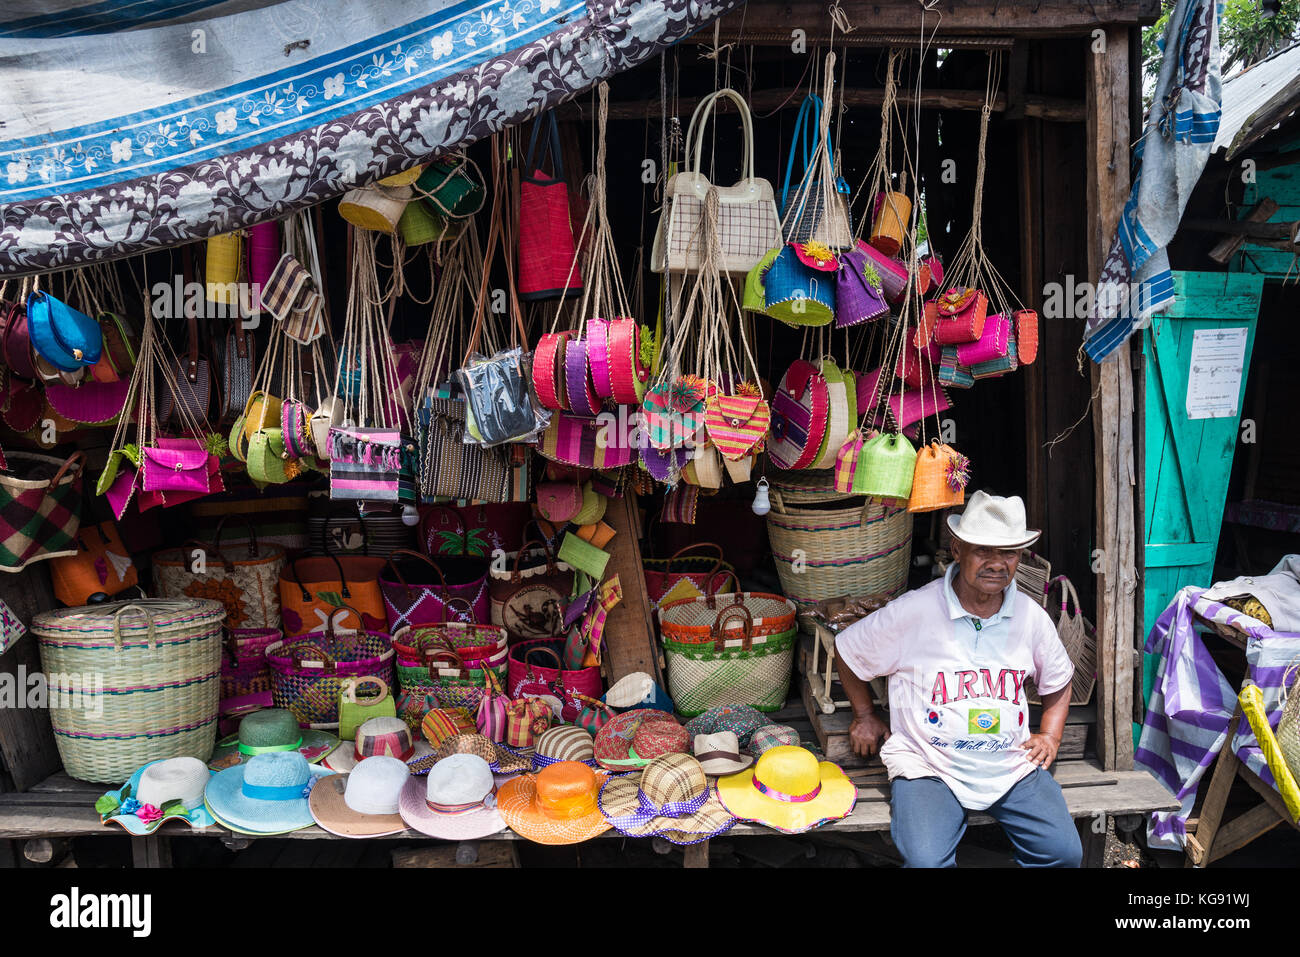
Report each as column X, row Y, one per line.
column 957, row 653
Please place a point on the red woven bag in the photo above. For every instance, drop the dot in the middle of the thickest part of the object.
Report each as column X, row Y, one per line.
column 547, row 267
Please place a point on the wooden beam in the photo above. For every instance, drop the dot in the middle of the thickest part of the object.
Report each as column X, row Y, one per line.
column 1108, row 185
column 1227, row 247
column 768, row 23
column 1243, row 829
column 629, row 630
column 1029, row 158
column 1056, row 108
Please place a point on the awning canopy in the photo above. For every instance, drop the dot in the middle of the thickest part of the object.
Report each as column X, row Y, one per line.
column 130, row 126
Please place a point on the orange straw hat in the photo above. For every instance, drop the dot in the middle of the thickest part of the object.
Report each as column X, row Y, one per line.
column 790, row 790
column 555, row 806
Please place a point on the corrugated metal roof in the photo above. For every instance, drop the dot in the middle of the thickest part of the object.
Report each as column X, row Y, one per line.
column 1252, row 88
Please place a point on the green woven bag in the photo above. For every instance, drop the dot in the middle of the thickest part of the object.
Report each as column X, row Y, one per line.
column 887, row 465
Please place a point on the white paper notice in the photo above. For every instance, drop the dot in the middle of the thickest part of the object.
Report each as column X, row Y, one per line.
column 1214, row 380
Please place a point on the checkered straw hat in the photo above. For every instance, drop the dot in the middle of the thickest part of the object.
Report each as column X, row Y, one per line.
column 771, row 736
column 563, row 743
column 671, row 798
column 740, row 719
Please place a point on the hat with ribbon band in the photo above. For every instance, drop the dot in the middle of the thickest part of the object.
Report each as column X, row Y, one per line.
column 170, row 789
column 363, row 802
column 720, row 753
column 790, row 790
column 671, row 798
column 267, row 732
column 266, row 795
column 455, row 801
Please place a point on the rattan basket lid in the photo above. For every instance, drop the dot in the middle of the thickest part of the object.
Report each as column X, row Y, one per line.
column 134, row 618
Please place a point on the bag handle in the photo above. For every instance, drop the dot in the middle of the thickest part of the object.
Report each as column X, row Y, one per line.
column 117, row 625
column 516, row 576
column 299, row 647
column 75, row 460
column 552, row 147
column 711, row 596
column 253, row 551
column 799, row 136
column 330, row 625
column 352, row 684
column 1068, row 595
column 462, row 527
column 442, row 581
column 710, row 546
column 747, row 124
column 297, row 579
column 457, row 599
column 325, row 526
column 719, row 626
column 496, row 236
column 206, row 548
column 546, row 649
column 431, row 660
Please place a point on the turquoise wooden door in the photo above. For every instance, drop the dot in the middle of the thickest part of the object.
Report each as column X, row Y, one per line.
column 1188, row 460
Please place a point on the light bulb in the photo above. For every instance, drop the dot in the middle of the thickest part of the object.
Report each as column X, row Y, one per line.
column 761, row 505
column 410, row 516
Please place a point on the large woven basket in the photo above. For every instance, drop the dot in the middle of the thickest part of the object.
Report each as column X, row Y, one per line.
column 1079, row 637
column 741, row 653
column 861, row 548
column 131, row 682
column 1032, row 575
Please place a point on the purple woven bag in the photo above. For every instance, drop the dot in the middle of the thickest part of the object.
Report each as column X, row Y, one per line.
column 858, row 298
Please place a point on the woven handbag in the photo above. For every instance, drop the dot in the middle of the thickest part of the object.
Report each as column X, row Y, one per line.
column 237, row 364
column 547, row 260
column 796, row 293
column 730, row 664
column 157, row 665
column 40, row 508
column 663, row 574
column 748, row 224
column 939, row 479
column 961, row 316
column 526, row 672
column 452, row 468
column 245, row 579
column 101, row 566
column 491, row 716
column 859, row 290
column 417, row 589
column 529, row 598
column 354, row 710
column 245, row 672
column 800, row 413
column 313, row 587
column 307, row 672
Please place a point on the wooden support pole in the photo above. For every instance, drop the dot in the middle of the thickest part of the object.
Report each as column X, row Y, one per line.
column 1108, row 186
column 629, row 629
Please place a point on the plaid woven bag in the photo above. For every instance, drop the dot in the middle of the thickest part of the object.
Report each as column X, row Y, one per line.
column 40, row 508
column 846, row 462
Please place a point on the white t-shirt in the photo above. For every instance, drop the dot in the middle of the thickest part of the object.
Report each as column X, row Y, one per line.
column 957, row 708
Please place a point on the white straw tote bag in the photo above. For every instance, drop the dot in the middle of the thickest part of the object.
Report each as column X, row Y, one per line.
column 748, row 224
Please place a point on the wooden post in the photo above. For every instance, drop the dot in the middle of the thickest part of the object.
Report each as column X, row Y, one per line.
column 1031, row 284
column 1108, row 186
column 629, row 630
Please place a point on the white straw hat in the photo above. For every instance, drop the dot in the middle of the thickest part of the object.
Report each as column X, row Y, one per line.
column 363, row 803
column 995, row 521
column 175, row 779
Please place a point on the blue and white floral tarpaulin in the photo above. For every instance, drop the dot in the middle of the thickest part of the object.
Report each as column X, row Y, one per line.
column 120, row 141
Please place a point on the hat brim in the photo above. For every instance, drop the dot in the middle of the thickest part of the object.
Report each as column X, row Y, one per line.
column 344, row 758
column 836, row 800
column 225, row 801
column 469, row 826
column 720, row 767
column 517, row 802
column 331, row 812
column 198, row 818
column 316, row 746
column 994, row 542
column 618, row 797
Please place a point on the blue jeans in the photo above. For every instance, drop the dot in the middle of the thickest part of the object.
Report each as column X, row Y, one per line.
column 926, row 822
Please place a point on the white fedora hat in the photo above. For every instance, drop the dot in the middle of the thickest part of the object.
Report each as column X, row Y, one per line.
column 993, row 520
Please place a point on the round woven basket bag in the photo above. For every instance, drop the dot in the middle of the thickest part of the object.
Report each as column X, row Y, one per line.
column 131, row 682
column 847, row 547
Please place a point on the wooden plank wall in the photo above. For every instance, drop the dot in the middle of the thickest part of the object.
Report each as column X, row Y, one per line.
column 1108, row 186
column 26, row 740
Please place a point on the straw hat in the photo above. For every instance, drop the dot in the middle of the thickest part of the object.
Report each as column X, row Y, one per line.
column 672, row 798
column 500, row 758
column 378, row 736
column 719, row 753
column 637, row 690
column 363, row 803
column 178, row 782
column 455, row 802
column 772, row 736
column 635, row 738
column 741, row 719
column 269, row 731
column 555, row 806
column 564, row 743
column 993, row 520
column 790, row 790
column 267, row 795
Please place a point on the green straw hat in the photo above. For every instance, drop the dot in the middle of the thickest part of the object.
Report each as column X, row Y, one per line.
column 267, row 732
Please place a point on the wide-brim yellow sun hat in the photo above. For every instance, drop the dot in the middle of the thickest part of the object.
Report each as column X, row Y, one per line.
column 790, row 790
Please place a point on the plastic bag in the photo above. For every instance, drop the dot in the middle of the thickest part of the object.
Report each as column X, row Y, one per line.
column 499, row 397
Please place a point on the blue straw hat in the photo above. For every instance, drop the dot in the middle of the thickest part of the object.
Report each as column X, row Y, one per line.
column 266, row 795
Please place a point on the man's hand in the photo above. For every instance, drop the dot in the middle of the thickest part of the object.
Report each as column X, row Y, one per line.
column 1040, row 749
column 866, row 734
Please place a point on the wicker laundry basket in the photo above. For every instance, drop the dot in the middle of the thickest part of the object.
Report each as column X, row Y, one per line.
column 853, row 546
column 131, row 682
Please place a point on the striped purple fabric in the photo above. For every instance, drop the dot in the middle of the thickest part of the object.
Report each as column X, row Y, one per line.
column 1191, row 704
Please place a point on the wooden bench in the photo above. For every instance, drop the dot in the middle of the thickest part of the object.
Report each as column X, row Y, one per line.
column 63, row 807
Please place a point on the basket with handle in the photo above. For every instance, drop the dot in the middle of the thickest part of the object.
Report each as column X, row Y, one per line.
column 862, row 547
column 1080, row 640
column 1288, row 726
column 307, row 672
column 732, row 665
column 692, row 620
column 245, row 673
column 131, row 682
column 1032, row 575
column 698, row 563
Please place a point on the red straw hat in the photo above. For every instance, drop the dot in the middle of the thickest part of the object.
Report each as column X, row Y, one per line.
column 635, row 738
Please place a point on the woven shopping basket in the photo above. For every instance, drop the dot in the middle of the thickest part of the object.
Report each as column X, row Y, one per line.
column 131, row 682
column 307, row 672
column 849, row 546
column 729, row 649
column 1079, row 637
